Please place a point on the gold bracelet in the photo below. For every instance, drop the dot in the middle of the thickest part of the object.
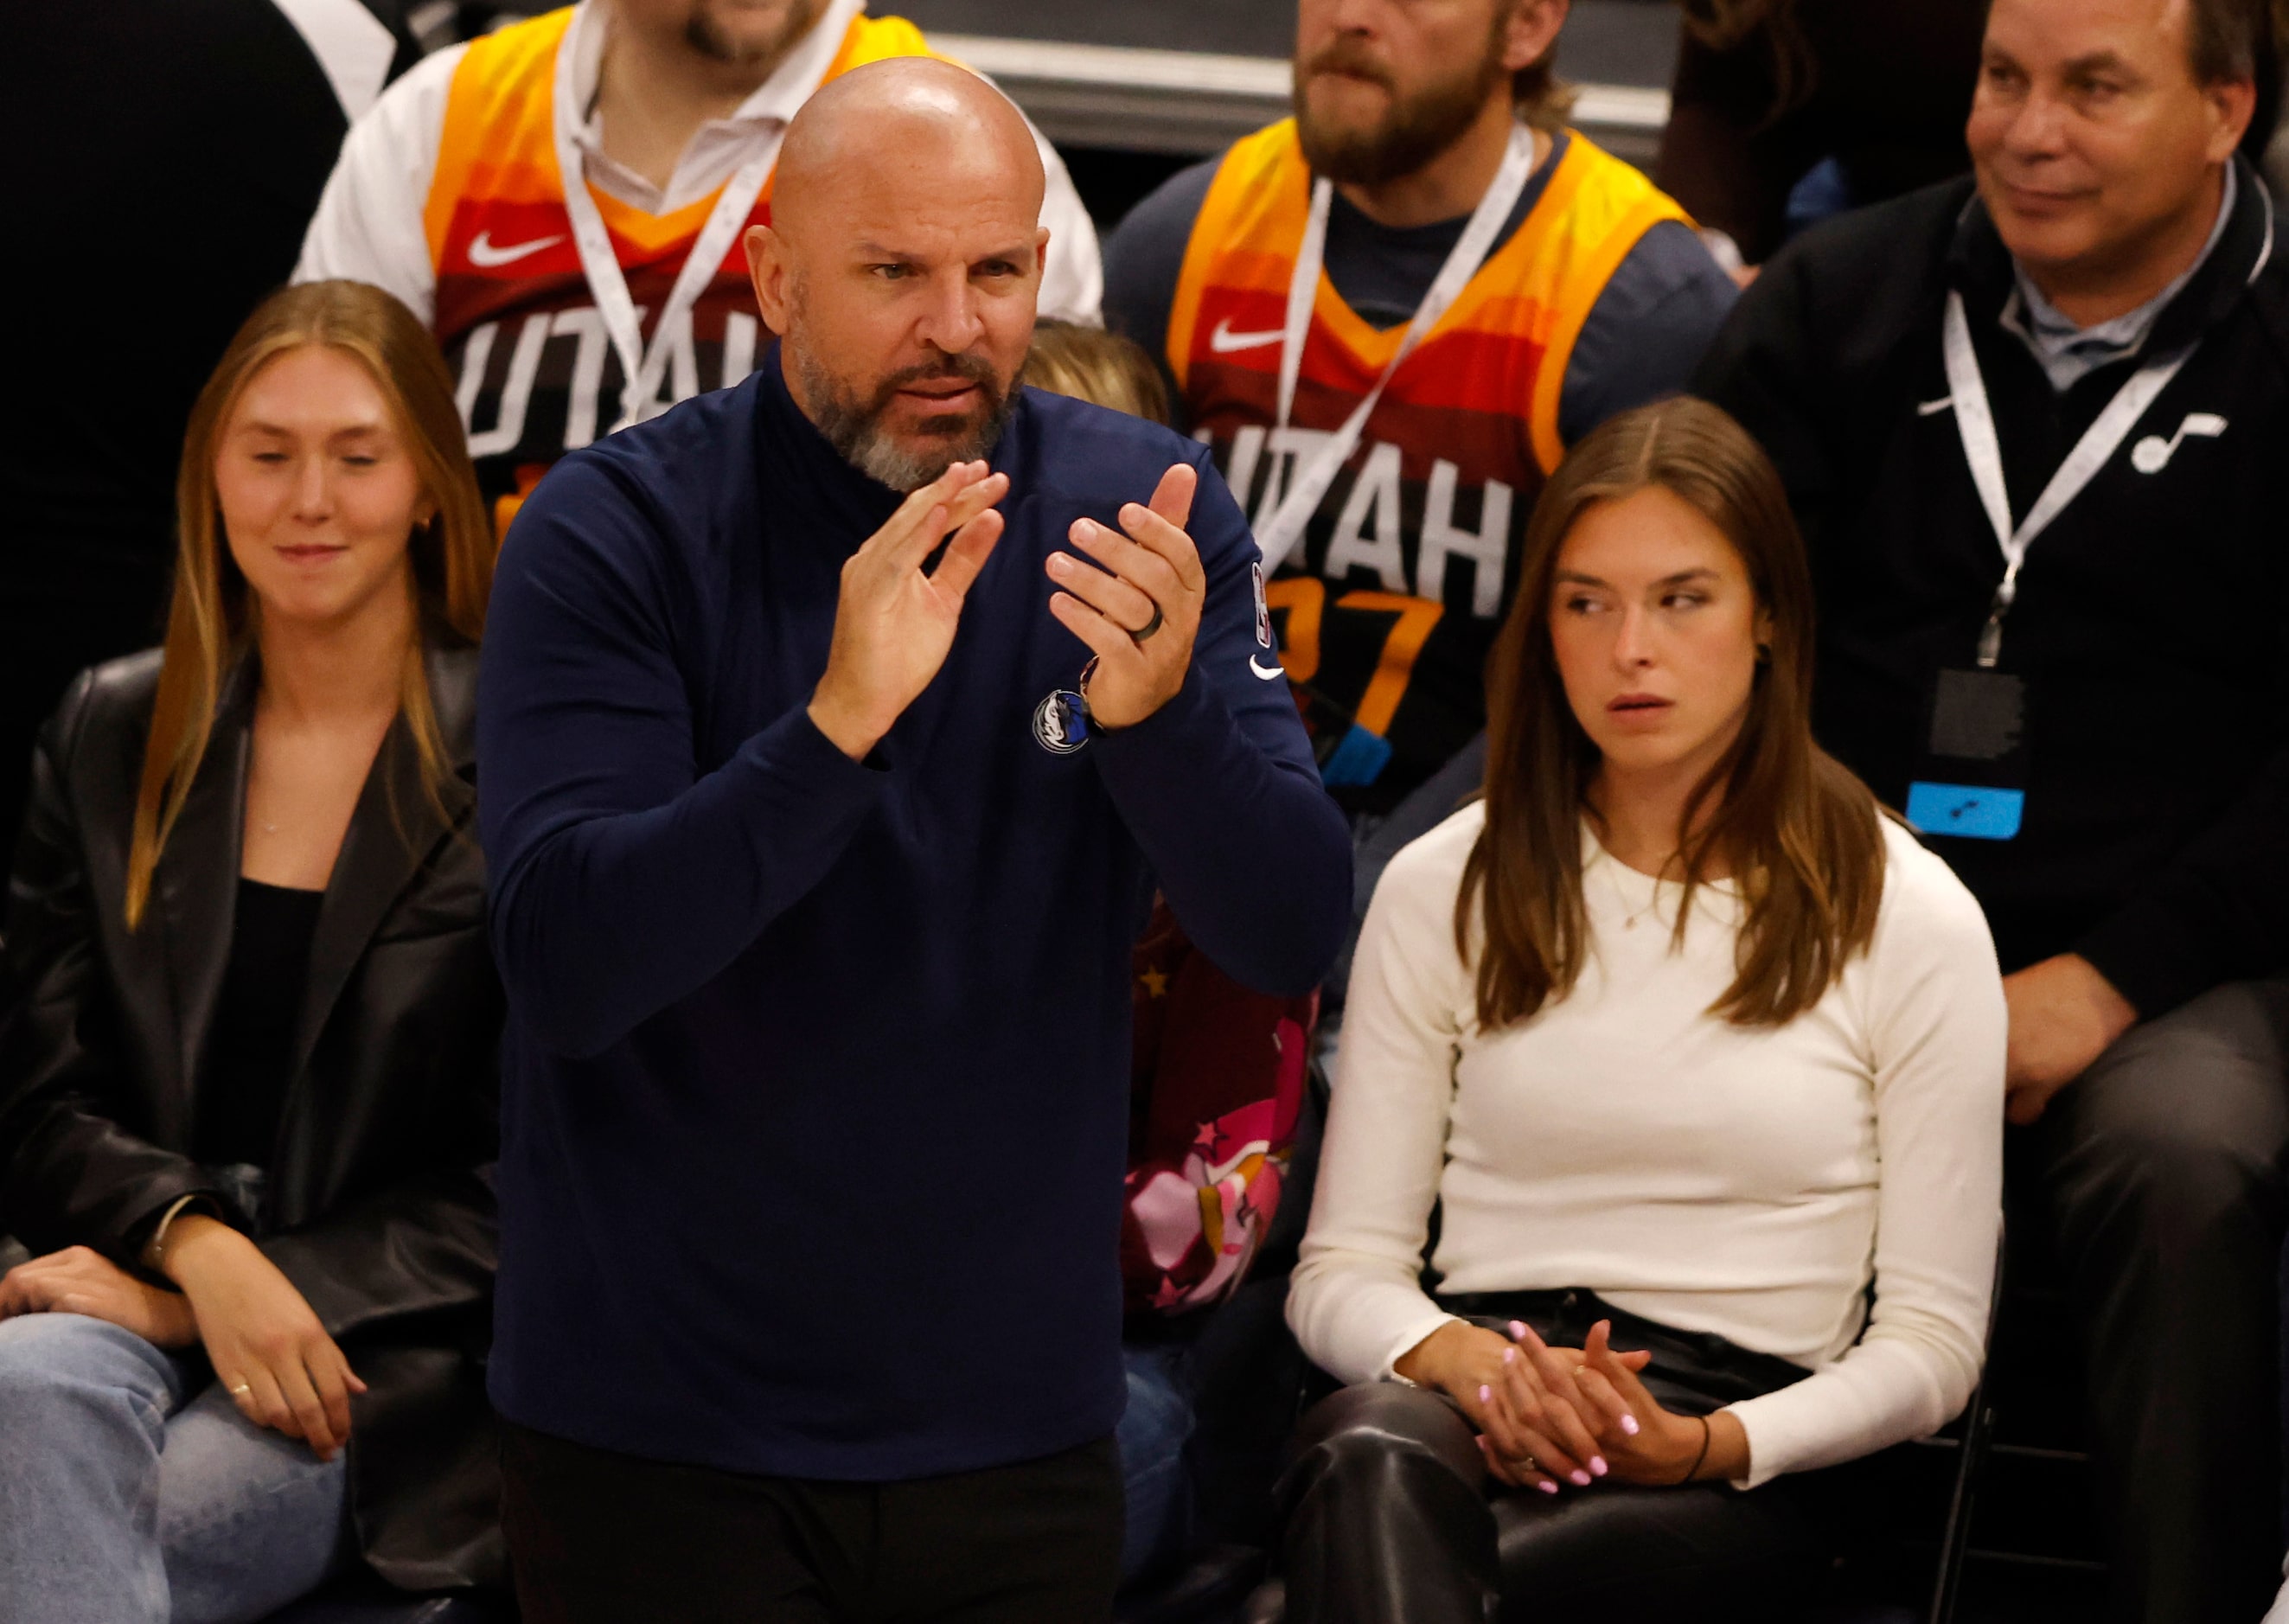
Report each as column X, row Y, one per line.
column 156, row 1251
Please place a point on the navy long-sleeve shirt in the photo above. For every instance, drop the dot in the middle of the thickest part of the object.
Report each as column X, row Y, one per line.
column 815, row 1079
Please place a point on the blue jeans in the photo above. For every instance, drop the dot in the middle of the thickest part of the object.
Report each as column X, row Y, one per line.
column 1154, row 1430
column 130, row 1494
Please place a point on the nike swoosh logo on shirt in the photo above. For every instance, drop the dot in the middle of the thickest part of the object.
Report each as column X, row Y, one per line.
column 1270, row 674
column 483, row 254
column 1223, row 341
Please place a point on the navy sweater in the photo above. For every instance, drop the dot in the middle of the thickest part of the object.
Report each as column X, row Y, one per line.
column 815, row 1079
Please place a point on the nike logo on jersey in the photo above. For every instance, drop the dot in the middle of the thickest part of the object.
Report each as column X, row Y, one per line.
column 1270, row 674
column 1223, row 341
column 484, row 255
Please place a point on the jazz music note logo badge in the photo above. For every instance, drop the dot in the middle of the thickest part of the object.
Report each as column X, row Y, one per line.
column 2152, row 454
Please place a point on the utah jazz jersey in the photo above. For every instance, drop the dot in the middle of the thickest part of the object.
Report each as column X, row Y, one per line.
column 537, row 373
column 1389, row 604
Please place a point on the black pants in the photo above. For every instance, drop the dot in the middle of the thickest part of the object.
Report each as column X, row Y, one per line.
column 1392, row 1518
column 601, row 1538
column 2164, row 1168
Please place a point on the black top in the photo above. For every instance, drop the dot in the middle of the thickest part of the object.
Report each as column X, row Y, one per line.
column 251, row 1054
column 2147, row 629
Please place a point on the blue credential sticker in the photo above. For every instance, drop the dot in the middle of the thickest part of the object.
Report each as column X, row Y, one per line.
column 1974, row 812
column 1359, row 759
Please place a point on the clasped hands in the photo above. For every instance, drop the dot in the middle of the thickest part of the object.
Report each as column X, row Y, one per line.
column 894, row 623
column 267, row 1349
column 1548, row 1417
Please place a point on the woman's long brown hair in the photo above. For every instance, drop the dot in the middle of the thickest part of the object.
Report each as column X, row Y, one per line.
column 1799, row 834
column 212, row 623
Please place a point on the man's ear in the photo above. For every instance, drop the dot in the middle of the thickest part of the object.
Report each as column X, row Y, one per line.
column 1532, row 31
column 768, row 269
column 1040, row 253
column 2233, row 103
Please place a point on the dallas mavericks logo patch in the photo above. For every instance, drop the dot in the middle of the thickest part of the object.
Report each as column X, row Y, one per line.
column 1263, row 608
column 1061, row 723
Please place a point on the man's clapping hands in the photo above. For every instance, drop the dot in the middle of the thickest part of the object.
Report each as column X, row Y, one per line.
column 1140, row 613
column 1549, row 1417
column 894, row 623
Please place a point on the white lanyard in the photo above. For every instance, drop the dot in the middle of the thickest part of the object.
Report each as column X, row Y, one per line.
column 641, row 369
column 1975, row 423
column 1279, row 534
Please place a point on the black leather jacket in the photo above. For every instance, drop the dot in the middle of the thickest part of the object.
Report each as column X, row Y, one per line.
column 380, row 1195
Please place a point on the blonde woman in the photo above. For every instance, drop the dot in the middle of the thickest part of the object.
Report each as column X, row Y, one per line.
column 247, row 1072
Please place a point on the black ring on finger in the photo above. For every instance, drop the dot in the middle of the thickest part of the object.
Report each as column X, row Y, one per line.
column 1150, row 626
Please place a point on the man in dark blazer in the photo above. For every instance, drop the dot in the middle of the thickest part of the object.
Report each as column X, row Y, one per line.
column 2032, row 426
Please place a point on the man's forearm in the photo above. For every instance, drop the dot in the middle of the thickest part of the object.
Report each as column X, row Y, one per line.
column 1253, row 857
column 600, row 924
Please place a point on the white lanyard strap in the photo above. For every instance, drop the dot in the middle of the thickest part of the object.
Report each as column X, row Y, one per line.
column 1975, row 423
column 641, row 369
column 1278, row 535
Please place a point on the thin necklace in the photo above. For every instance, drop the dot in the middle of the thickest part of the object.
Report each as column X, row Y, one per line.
column 1629, row 922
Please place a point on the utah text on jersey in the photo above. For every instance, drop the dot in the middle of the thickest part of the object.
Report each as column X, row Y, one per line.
column 1391, row 599
column 538, row 373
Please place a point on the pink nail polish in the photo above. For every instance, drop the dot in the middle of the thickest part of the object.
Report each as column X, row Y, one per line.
column 1581, row 1479
column 1597, row 1465
column 1510, row 1356
column 1546, row 1486
column 1485, row 1392
column 1629, row 1425
column 1518, row 1330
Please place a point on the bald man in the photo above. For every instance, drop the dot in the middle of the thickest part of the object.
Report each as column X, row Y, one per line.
column 835, row 731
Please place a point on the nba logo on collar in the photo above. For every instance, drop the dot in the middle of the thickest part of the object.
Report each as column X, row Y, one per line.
column 1263, row 608
column 1061, row 723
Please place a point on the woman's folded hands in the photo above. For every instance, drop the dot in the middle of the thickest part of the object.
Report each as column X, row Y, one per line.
column 262, row 1337
column 80, row 1280
column 1549, row 1417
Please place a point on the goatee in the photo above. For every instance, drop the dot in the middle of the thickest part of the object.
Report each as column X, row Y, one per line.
column 854, row 426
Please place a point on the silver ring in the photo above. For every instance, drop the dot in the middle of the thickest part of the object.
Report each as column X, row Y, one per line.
column 1150, row 626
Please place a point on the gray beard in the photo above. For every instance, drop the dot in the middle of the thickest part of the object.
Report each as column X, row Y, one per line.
column 854, row 427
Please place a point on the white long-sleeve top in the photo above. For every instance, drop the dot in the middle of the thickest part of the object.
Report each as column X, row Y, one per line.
column 1749, row 1181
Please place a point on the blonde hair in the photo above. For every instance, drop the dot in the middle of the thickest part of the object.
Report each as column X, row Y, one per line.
column 1101, row 368
column 210, row 623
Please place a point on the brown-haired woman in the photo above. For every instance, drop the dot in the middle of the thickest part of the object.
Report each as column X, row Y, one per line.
column 247, row 1074
column 1691, row 1048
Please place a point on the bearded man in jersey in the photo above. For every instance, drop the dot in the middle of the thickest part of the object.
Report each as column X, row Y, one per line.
column 1587, row 292
column 836, row 730
column 548, row 299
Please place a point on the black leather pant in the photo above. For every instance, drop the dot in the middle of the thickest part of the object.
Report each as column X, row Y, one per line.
column 2164, row 1170
column 1391, row 1517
